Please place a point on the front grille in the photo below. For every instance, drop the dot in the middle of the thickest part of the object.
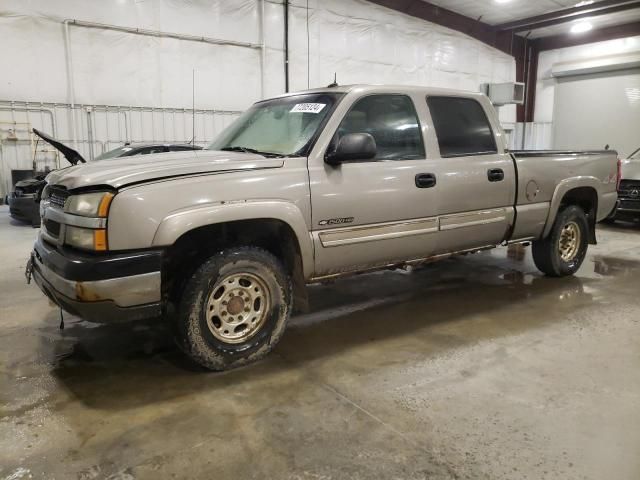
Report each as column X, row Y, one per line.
column 58, row 196
column 629, row 189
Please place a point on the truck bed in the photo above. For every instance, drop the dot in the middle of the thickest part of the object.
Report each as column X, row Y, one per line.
column 545, row 176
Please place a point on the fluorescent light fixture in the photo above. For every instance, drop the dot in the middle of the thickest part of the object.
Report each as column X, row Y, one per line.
column 501, row 1
column 581, row 27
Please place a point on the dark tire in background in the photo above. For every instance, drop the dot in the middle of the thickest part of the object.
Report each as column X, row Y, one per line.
column 562, row 252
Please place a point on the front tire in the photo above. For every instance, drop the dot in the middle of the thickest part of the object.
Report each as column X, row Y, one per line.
column 564, row 249
column 234, row 308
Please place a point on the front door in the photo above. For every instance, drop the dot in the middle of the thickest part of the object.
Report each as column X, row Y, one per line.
column 374, row 212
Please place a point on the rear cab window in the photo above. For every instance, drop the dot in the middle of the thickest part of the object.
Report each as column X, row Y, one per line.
column 461, row 126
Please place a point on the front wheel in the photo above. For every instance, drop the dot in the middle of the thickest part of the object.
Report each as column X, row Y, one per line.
column 234, row 309
column 564, row 249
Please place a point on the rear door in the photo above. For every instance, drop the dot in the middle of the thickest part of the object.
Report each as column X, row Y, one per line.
column 477, row 178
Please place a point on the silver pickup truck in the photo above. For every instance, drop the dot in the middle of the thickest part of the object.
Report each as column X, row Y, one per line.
column 301, row 188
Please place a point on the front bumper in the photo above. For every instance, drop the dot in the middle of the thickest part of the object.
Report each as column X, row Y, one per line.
column 99, row 288
column 628, row 208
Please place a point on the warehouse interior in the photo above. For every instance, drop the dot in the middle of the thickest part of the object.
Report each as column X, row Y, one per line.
column 475, row 366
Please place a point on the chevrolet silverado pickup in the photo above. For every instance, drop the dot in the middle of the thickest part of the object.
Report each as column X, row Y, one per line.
column 302, row 188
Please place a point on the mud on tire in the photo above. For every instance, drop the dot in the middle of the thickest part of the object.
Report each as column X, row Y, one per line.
column 234, row 308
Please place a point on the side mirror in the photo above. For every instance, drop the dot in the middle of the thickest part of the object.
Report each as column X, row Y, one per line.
column 353, row 146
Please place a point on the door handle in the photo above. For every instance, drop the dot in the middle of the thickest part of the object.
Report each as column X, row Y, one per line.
column 495, row 174
column 425, row 180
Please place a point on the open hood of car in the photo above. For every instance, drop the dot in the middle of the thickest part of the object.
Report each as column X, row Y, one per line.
column 69, row 153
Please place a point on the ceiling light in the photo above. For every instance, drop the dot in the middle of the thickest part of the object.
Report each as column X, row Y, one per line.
column 581, row 27
column 501, row 1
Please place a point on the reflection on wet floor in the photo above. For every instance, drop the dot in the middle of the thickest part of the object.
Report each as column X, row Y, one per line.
column 608, row 265
column 517, row 252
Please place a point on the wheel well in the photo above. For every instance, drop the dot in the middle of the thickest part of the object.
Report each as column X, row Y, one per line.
column 194, row 247
column 587, row 199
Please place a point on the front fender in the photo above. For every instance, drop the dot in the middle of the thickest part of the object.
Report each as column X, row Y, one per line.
column 180, row 222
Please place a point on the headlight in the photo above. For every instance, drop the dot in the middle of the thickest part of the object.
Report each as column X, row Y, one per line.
column 89, row 204
column 86, row 238
column 94, row 205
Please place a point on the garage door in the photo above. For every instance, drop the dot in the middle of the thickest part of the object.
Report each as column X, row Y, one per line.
column 593, row 110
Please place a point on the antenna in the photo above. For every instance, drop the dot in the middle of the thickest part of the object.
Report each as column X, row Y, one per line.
column 193, row 104
column 335, row 81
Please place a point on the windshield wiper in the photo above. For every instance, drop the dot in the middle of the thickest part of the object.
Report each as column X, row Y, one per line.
column 252, row 150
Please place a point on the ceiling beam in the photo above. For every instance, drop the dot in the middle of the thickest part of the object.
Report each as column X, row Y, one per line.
column 602, row 7
column 441, row 16
column 599, row 35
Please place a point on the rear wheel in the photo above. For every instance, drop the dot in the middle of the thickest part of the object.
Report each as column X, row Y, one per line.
column 234, row 308
column 565, row 248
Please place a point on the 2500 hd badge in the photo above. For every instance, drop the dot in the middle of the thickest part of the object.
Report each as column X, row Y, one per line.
column 335, row 221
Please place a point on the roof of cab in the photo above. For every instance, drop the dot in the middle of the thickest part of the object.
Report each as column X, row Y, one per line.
column 365, row 88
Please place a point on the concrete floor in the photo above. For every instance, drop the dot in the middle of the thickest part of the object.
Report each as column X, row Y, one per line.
column 477, row 367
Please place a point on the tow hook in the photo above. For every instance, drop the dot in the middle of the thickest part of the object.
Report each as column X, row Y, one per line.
column 29, row 269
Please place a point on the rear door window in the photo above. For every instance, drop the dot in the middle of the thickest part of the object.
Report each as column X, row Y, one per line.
column 462, row 127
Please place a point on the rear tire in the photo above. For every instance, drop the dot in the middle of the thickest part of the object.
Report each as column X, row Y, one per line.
column 562, row 252
column 234, row 308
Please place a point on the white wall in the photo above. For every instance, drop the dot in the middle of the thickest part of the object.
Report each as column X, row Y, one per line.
column 597, row 109
column 546, row 84
column 360, row 41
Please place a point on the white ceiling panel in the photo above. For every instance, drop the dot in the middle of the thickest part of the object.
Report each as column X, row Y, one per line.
column 608, row 20
column 494, row 13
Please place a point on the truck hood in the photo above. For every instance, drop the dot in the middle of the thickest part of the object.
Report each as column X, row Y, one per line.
column 119, row 172
column 631, row 169
column 69, row 153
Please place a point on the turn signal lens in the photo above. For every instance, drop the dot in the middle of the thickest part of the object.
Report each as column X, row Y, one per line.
column 105, row 203
column 100, row 240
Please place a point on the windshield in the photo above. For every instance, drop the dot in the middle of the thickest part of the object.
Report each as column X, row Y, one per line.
column 282, row 126
column 116, row 152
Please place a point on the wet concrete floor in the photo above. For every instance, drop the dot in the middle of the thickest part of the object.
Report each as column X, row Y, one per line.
column 476, row 367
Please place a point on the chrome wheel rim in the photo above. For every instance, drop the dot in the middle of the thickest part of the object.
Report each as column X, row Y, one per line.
column 237, row 307
column 569, row 243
